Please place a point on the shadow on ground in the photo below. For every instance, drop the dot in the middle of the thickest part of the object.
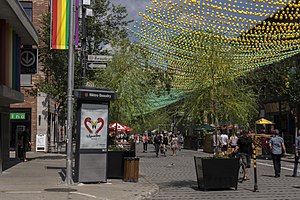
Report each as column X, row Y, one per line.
column 10, row 163
column 179, row 184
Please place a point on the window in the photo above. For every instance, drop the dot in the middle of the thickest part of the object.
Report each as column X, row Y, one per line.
column 27, row 6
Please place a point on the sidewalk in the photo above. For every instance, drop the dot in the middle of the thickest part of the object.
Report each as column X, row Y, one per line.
column 41, row 179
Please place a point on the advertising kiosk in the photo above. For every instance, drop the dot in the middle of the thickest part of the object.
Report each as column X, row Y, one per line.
column 92, row 132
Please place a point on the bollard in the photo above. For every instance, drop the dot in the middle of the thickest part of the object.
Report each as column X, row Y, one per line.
column 255, row 171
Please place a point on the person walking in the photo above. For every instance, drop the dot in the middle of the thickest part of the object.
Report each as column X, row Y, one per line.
column 297, row 152
column 24, row 142
column 244, row 147
column 233, row 142
column 145, row 142
column 224, row 143
column 157, row 142
column 277, row 151
column 165, row 143
column 174, row 144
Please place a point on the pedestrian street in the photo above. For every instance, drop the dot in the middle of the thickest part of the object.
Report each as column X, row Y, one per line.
column 176, row 178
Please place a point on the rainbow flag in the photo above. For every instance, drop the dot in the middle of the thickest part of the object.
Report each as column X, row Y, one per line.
column 60, row 14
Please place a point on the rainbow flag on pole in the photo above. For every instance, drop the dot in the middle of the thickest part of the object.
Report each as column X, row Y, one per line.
column 60, row 14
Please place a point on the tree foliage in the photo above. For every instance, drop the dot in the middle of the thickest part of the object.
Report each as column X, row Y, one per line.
column 107, row 24
column 217, row 95
column 129, row 75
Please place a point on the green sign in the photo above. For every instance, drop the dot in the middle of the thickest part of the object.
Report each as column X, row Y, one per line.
column 17, row 116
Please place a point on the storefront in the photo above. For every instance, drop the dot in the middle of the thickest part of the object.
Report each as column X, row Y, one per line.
column 20, row 119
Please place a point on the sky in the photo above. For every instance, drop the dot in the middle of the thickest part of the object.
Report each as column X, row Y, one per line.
column 133, row 7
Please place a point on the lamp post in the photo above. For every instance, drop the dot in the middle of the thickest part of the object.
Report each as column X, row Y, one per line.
column 83, row 44
column 69, row 179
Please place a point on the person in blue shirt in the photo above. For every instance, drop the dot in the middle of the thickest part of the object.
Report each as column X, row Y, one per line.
column 277, row 151
column 297, row 152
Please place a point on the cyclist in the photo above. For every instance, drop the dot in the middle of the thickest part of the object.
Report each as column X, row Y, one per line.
column 244, row 147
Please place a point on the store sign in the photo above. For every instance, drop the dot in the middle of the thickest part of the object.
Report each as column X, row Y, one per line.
column 17, row 116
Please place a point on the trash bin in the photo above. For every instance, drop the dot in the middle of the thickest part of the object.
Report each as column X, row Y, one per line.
column 131, row 169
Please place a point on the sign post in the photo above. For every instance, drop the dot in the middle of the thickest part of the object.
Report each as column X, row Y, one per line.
column 92, row 133
column 97, row 61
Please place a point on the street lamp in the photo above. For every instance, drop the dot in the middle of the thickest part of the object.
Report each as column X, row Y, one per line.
column 69, row 179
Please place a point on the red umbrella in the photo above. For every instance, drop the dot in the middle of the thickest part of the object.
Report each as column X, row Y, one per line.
column 119, row 128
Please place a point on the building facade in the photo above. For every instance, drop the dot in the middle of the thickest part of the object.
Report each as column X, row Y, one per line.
column 40, row 110
column 16, row 31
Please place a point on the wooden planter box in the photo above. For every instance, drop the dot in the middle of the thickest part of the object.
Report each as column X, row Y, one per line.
column 115, row 163
column 217, row 173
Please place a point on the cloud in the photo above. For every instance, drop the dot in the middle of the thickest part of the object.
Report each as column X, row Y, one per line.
column 133, row 7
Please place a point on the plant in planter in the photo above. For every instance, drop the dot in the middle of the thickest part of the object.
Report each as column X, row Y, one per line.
column 217, row 173
column 218, row 94
column 117, row 151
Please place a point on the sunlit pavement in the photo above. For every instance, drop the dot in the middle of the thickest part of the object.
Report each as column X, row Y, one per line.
column 176, row 178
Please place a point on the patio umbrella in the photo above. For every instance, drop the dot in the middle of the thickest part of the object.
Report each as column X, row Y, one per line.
column 119, row 128
column 263, row 121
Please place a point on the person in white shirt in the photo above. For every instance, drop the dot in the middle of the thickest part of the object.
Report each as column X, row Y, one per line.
column 224, row 142
column 233, row 142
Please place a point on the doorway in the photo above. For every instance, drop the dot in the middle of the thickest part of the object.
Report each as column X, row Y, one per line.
column 20, row 119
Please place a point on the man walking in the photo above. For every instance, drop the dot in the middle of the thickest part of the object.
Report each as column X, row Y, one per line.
column 245, row 147
column 297, row 152
column 224, row 142
column 277, row 151
column 157, row 142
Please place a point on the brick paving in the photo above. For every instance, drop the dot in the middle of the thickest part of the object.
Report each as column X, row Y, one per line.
column 176, row 179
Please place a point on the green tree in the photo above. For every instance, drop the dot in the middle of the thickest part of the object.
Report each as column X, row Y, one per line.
column 133, row 82
column 108, row 23
column 217, row 94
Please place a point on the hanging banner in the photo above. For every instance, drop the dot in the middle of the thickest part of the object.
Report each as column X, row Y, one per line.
column 93, row 132
column 60, row 15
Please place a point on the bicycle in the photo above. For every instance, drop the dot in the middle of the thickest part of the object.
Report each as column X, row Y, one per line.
column 242, row 169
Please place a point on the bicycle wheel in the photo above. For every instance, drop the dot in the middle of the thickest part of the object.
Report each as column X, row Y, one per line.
column 242, row 172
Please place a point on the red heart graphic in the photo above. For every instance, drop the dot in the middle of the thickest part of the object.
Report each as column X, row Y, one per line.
column 93, row 124
column 100, row 120
column 88, row 120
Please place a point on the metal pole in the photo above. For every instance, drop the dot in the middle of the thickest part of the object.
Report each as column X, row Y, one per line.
column 83, row 44
column 255, row 171
column 69, row 179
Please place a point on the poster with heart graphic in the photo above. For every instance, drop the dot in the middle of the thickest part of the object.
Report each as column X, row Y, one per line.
column 93, row 132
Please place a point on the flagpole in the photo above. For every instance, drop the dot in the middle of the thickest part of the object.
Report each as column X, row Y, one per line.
column 69, row 179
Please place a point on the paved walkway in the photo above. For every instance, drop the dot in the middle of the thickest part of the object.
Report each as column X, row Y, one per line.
column 171, row 177
column 176, row 178
column 41, row 179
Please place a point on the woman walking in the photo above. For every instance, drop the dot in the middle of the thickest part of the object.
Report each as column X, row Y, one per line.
column 174, row 144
